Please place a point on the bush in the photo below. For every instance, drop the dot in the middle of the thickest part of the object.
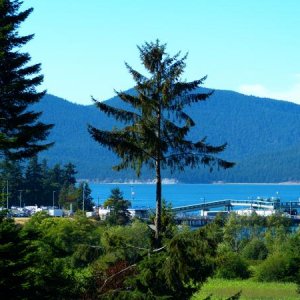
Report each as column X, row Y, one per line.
column 255, row 249
column 277, row 267
column 230, row 265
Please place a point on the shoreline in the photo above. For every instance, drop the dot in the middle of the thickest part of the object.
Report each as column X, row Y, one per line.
column 186, row 183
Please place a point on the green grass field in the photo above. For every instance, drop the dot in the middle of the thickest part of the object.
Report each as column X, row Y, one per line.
column 222, row 289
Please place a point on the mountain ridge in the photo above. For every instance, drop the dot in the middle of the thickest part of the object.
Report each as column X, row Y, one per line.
column 261, row 133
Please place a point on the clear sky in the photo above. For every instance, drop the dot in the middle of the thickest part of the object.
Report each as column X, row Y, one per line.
column 249, row 46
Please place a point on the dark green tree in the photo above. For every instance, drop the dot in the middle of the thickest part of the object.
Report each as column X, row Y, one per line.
column 68, row 195
column 56, row 178
column 20, row 129
column 174, row 271
column 12, row 264
column 119, row 214
column 84, row 193
column 230, row 264
column 34, row 183
column 69, row 174
column 47, row 190
column 157, row 127
column 255, row 249
column 53, row 182
column 59, row 253
column 4, row 141
column 11, row 181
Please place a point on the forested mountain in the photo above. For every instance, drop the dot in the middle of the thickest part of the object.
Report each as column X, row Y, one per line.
column 263, row 137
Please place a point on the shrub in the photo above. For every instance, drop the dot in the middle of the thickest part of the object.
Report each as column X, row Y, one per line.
column 255, row 249
column 277, row 267
column 230, row 265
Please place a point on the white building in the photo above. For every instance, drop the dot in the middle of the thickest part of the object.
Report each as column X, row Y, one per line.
column 103, row 213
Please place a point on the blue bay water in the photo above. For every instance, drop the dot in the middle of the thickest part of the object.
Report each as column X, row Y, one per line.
column 143, row 195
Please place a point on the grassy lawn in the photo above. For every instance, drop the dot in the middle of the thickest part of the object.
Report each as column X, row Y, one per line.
column 222, row 289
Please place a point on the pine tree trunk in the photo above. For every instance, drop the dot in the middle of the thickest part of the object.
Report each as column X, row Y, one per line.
column 158, row 203
column 158, row 181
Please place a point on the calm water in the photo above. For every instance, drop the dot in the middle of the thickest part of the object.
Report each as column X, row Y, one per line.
column 185, row 194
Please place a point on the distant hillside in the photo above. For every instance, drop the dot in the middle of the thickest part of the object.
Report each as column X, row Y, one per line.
column 263, row 137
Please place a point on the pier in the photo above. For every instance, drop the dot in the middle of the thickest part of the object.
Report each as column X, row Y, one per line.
column 230, row 204
column 183, row 216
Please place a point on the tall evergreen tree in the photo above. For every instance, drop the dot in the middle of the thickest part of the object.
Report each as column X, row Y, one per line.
column 84, row 194
column 69, row 173
column 156, row 128
column 12, row 259
column 34, row 183
column 21, row 132
column 11, row 182
column 119, row 214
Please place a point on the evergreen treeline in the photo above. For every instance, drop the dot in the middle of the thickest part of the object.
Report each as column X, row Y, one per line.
column 35, row 183
column 22, row 134
column 80, row 258
column 262, row 134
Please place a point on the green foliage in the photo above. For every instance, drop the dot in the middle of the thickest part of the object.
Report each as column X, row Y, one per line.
column 84, row 193
column 79, row 258
column 129, row 243
column 255, row 249
column 153, row 136
column 176, row 270
column 61, row 252
column 277, row 267
column 68, row 195
column 283, row 263
column 157, row 127
column 123, row 247
column 278, row 220
column 11, row 175
column 233, row 232
column 230, row 265
column 168, row 224
column 21, row 131
column 12, row 264
column 36, row 183
column 119, row 214
column 33, row 182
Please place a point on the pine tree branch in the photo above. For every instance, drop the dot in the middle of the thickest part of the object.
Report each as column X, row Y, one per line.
column 119, row 114
column 194, row 159
column 116, row 274
column 129, row 267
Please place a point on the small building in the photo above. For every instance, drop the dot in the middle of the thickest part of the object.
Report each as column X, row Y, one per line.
column 103, row 212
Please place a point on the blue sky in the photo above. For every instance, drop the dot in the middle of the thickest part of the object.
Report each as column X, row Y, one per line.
column 249, row 46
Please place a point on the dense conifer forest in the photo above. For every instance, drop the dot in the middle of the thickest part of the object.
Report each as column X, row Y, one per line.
column 262, row 136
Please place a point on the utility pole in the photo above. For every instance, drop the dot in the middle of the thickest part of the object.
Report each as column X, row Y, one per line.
column 20, row 197
column 53, row 199
column 83, row 187
column 3, row 189
column 7, row 194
